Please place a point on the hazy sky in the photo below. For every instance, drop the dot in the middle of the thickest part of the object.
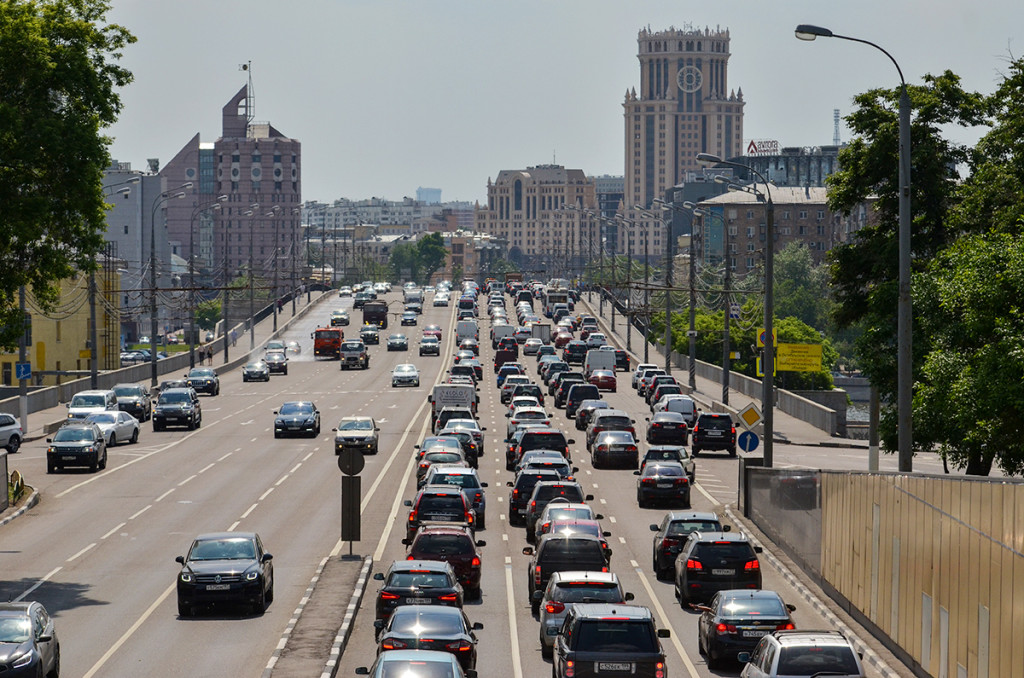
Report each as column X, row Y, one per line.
column 389, row 95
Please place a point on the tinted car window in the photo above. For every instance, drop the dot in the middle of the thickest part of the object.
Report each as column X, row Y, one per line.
column 617, row 636
column 586, row 592
column 543, row 441
column 443, row 545
column 682, row 528
column 571, row 492
column 806, row 661
column 616, row 421
column 441, row 502
column 573, row 550
column 753, row 606
column 426, row 624
column 419, row 580
column 731, row 550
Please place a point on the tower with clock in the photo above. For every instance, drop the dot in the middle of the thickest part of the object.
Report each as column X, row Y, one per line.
column 684, row 106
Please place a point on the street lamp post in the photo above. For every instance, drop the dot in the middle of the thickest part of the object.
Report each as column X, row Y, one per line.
column 94, row 375
column 175, row 194
column 904, row 324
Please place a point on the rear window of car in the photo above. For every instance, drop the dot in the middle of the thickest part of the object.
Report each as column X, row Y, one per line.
column 443, row 545
column 441, row 502
column 527, row 390
column 456, row 479
column 571, row 492
column 572, row 550
column 715, row 423
column 543, row 441
column 434, row 580
column 732, row 550
column 526, row 481
column 583, row 392
column 682, row 528
column 616, row 636
column 615, row 421
column 806, row 661
column 586, row 592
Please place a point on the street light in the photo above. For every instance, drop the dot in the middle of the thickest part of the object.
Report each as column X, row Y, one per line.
column 647, row 285
column 94, row 376
column 904, row 326
column 160, row 199
column 768, row 361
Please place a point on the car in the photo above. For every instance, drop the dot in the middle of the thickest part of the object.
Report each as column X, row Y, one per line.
column 539, row 438
column 585, row 409
column 344, row 291
column 454, row 545
column 614, row 448
column 172, row 383
column 428, row 458
column 11, row 433
column 76, row 443
column 659, row 391
column 398, row 342
column 417, row 582
column 640, row 369
column 414, row 307
column 666, row 428
column 428, row 627
column 473, row 427
column 225, row 567
column 432, row 331
column 662, row 481
column 430, row 345
column 544, row 493
column 441, row 299
column 604, row 380
column 276, row 362
column 676, row 453
column 560, row 385
column 470, row 345
column 507, row 369
column 608, row 420
column 28, row 641
column 340, row 318
column 565, row 590
column 714, row 431
column 507, row 386
column 449, row 412
column 646, row 379
column 468, row 480
column 736, row 620
column 178, row 407
column 369, row 334
column 609, row 640
column 596, row 340
column 135, row 400
column 731, row 563
column 666, row 380
column 621, row 360
column 560, row 553
column 575, row 351
column 85, row 403
column 563, row 510
column 203, row 380
column 297, row 417
column 357, row 433
column 257, row 370
column 532, row 345
column 406, row 373
column 802, row 653
column 438, row 503
column 410, row 318
column 117, row 427
column 562, row 339
column 672, row 532
column 294, row 347
column 546, row 459
column 526, row 414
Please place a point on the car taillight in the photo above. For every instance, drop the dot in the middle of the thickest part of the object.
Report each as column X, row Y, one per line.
column 656, row 424
column 788, row 626
column 469, row 517
column 692, row 564
column 393, row 644
column 459, row 646
column 649, row 481
column 475, row 562
column 412, row 516
column 389, row 596
column 544, row 527
column 533, row 504
column 570, row 669
column 410, row 557
column 554, row 607
column 659, row 670
column 449, row 598
column 604, row 569
column 536, row 575
column 752, row 565
column 725, row 628
column 515, row 493
column 631, row 448
column 668, row 543
column 734, row 430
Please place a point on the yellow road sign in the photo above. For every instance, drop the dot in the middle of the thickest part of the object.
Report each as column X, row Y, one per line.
column 799, row 357
column 750, row 416
column 760, row 367
column 761, row 337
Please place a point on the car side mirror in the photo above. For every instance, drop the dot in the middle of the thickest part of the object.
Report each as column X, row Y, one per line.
column 538, row 596
column 791, row 608
column 743, row 657
column 508, row 414
column 67, row 405
column 571, row 441
column 275, row 411
column 528, row 551
column 727, row 528
column 362, row 671
column 416, row 446
column 378, row 624
column 636, row 473
column 379, row 576
column 376, row 429
column 758, row 549
column 478, row 626
column 180, row 559
column 407, row 502
column 589, row 497
column 575, row 469
column 599, row 516
column 509, row 483
column 664, row 633
column 481, row 543
column 266, row 558
column 406, row 542
column 606, row 533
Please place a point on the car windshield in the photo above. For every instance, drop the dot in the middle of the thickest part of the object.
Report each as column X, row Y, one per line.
column 296, row 408
column 807, row 661
column 753, row 606
column 617, row 636
column 674, row 471
column 586, row 592
column 102, row 418
column 419, row 580
column 442, row 545
column 223, row 549
column 457, row 479
column 352, row 346
column 128, row 391
column 203, row 372
column 397, row 337
column 429, row 339
column 415, row 621
column 405, row 369
column 174, row 397
column 15, row 629
column 254, row 366
column 682, row 528
column 66, row 435
column 356, row 425
column 442, row 458
column 87, row 401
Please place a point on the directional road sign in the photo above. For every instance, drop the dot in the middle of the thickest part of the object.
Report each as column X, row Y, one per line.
column 22, row 370
column 748, row 441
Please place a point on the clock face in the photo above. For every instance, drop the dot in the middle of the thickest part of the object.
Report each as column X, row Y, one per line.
column 689, row 78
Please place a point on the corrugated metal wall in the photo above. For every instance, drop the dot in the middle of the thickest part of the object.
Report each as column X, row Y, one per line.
column 936, row 563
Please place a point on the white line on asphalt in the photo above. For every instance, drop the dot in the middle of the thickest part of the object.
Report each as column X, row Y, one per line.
column 128, row 634
column 622, row 540
column 664, row 620
column 118, row 527
column 296, row 467
column 225, row 456
column 253, row 440
column 504, row 537
column 517, row 666
column 186, row 480
column 308, row 456
column 602, row 500
column 162, row 496
column 265, row 494
column 87, row 548
column 233, row 526
column 37, row 584
column 206, row 468
column 611, row 519
column 283, row 478
column 139, row 512
column 248, row 511
column 714, row 502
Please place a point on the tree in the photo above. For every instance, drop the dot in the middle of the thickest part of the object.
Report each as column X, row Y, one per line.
column 59, row 79
column 799, row 286
column 208, row 313
column 404, row 262
column 432, row 255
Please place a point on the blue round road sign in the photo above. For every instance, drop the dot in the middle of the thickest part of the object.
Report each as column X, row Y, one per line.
column 748, row 441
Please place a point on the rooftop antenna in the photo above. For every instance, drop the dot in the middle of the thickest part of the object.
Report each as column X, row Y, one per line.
column 250, row 95
column 835, row 130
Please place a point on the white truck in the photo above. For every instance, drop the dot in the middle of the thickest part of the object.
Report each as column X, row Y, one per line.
column 452, row 395
column 542, row 332
column 467, row 329
column 412, row 294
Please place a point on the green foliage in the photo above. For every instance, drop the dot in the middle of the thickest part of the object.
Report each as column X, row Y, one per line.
column 499, row 267
column 417, row 261
column 208, row 313
column 432, row 254
column 59, row 80
column 800, row 287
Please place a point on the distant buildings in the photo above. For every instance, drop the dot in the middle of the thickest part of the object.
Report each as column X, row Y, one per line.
column 430, row 196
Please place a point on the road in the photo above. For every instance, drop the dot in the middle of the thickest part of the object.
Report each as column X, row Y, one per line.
column 99, row 549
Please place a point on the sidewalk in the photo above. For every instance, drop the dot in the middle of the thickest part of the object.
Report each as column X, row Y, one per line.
column 788, row 429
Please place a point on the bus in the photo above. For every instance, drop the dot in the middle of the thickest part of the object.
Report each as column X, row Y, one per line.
column 552, row 297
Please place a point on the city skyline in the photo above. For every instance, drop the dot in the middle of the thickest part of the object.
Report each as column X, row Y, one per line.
column 391, row 96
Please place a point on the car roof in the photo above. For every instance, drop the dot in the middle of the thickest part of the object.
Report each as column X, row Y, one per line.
column 440, row 528
column 452, row 469
column 582, row 536
column 225, row 535
column 357, row 417
column 719, row 536
column 668, row 416
column 583, row 576
column 610, row 412
column 440, row 489
column 617, row 610
column 432, row 565
column 674, row 516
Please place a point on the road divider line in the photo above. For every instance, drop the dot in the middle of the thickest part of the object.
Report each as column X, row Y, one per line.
column 39, row 583
column 206, row 468
column 83, row 551
column 115, row 529
column 222, row 458
column 139, row 512
column 164, row 495
column 283, row 478
column 266, row 494
column 664, row 620
column 248, row 511
column 186, row 480
column 513, row 629
column 128, row 634
column 233, row 526
column 296, row 467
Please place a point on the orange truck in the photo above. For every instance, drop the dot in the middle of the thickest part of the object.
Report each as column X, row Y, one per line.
column 327, row 342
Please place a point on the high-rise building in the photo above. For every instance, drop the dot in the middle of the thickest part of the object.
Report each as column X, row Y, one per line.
column 431, row 196
column 684, row 107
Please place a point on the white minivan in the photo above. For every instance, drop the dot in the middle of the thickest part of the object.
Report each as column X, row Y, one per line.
column 597, row 359
column 85, row 403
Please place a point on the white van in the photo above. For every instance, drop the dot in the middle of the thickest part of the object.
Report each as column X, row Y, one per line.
column 683, row 404
column 85, row 403
column 467, row 329
column 499, row 332
column 596, row 359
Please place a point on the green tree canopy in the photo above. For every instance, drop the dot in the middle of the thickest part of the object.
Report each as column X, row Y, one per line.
column 432, row 254
column 800, row 287
column 59, row 80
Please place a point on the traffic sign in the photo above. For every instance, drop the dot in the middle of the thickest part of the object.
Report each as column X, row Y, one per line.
column 351, row 462
column 760, row 367
column 799, row 357
column 22, row 370
column 748, row 441
column 691, row 333
column 734, row 311
column 761, row 337
column 750, row 416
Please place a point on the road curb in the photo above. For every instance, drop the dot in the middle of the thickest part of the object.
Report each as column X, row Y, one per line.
column 341, row 639
column 32, row 501
column 283, row 642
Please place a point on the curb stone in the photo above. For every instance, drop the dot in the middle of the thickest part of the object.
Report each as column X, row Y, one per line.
column 32, row 501
column 341, row 639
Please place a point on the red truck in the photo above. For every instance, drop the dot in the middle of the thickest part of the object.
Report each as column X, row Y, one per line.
column 327, row 342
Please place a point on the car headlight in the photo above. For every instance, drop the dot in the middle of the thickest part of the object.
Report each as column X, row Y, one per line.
column 252, row 576
column 23, row 660
column 51, row 450
column 187, row 577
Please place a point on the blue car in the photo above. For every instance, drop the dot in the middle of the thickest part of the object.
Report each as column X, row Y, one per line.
column 507, row 369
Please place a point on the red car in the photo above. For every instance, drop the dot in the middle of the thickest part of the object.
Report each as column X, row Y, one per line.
column 561, row 339
column 453, row 545
column 604, row 380
column 432, row 331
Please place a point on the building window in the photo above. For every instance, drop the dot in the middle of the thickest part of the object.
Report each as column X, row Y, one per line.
column 803, row 214
column 821, row 214
column 750, row 214
column 785, row 214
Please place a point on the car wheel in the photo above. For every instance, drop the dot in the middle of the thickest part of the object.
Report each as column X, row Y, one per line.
column 14, row 444
column 51, row 467
column 286, row 371
column 244, row 379
column 640, row 500
column 714, row 661
column 270, row 591
column 732, row 451
column 55, row 671
column 157, row 427
column 277, row 434
column 103, row 464
column 113, row 440
column 95, row 463
column 259, row 606
column 546, row 651
column 199, row 421
column 135, row 437
column 700, row 648
column 695, row 451
column 185, row 610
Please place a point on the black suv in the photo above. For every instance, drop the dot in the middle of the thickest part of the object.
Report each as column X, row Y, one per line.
column 134, row 399
column 522, row 488
column 609, row 640
column 714, row 431
column 76, row 443
column 543, row 493
column 560, row 552
column 177, row 407
column 203, row 380
column 417, row 581
column 438, row 503
column 710, row 562
column 575, row 351
column 576, row 394
column 672, row 532
column 563, row 383
column 369, row 334
column 537, row 439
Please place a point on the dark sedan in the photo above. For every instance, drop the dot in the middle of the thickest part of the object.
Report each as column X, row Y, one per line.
column 276, row 362
column 297, row 417
column 410, row 318
column 398, row 342
column 134, row 399
column 423, row 627
column 667, row 428
column 417, row 582
column 454, row 545
column 662, row 481
column 256, row 371
column 28, row 641
column 225, row 567
column 203, row 380
column 614, row 447
column 735, row 621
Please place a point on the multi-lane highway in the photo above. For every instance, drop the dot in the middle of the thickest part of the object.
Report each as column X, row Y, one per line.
column 99, row 549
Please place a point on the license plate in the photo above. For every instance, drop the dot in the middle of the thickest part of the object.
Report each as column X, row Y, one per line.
column 218, row 587
column 723, row 573
column 617, row 666
column 754, row 634
column 294, row 428
column 417, row 601
column 69, row 457
column 664, row 485
column 668, row 427
column 714, row 434
column 552, row 631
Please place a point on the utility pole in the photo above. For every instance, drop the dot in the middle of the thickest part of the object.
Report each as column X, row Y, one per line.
column 94, row 377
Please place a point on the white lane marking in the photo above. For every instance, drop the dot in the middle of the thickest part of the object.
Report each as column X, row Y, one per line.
column 128, row 634
column 504, row 537
column 83, row 551
column 253, row 440
column 264, row 495
column 283, row 478
column 664, row 620
column 611, row 519
column 186, row 480
column 595, row 485
column 296, row 467
column 139, row 512
column 248, row 511
column 714, row 502
column 39, row 583
column 164, row 495
column 206, row 468
column 116, row 528
column 233, row 526
column 225, row 456
column 308, row 456
column 622, row 540
column 602, row 500
column 517, row 666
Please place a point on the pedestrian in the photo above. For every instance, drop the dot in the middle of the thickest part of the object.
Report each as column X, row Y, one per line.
column 234, row 337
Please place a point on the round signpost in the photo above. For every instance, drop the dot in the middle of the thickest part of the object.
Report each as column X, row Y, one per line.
column 748, row 441
column 351, row 462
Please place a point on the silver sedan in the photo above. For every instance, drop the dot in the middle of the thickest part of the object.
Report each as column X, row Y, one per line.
column 117, row 427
